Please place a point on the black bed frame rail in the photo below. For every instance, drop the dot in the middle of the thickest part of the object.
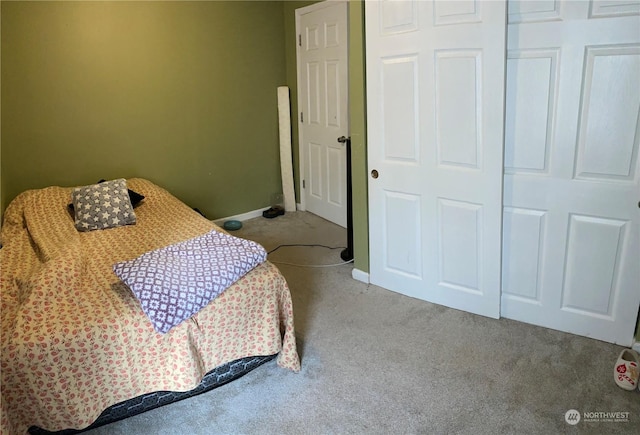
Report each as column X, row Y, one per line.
column 215, row 378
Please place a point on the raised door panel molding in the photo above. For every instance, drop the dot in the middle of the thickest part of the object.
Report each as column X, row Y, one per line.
column 530, row 11
column 523, row 251
column 532, row 83
column 313, row 93
column 398, row 17
column 403, row 233
column 457, row 12
column 400, row 110
column 458, row 88
column 460, row 245
column 613, row 8
column 592, row 264
column 608, row 134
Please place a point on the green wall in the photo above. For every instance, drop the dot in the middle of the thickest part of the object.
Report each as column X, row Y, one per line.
column 1, row 174
column 181, row 93
column 358, row 126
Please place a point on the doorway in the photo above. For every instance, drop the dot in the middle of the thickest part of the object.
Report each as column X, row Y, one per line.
column 322, row 65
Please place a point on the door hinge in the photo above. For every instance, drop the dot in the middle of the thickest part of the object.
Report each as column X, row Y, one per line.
column 299, row 40
column 304, row 184
column 301, row 117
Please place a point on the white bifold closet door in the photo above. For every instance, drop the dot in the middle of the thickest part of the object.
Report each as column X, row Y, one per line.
column 558, row 245
column 435, row 105
column 571, row 217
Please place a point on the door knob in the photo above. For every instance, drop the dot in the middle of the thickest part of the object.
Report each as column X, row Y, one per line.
column 374, row 174
column 343, row 139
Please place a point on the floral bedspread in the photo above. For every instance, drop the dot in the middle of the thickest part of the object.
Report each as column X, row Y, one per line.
column 74, row 338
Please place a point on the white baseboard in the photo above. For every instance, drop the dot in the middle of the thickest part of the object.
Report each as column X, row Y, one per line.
column 359, row 275
column 636, row 346
column 241, row 217
column 299, row 207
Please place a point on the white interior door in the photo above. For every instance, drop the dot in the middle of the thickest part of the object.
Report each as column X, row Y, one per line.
column 571, row 216
column 323, row 103
column 435, row 90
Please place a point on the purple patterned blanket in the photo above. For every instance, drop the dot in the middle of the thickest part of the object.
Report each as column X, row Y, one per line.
column 175, row 282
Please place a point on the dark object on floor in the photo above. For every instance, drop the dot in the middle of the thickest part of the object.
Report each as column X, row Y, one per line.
column 347, row 254
column 215, row 378
column 232, row 225
column 199, row 212
column 274, row 211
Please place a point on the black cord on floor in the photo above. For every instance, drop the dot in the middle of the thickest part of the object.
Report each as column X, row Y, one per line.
column 303, row 244
column 308, row 265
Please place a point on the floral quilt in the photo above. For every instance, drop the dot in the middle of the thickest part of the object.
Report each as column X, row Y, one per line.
column 74, row 337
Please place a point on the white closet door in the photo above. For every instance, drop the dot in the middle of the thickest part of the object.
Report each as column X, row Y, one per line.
column 571, row 216
column 435, row 104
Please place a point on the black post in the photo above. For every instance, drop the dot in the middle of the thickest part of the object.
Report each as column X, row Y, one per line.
column 347, row 254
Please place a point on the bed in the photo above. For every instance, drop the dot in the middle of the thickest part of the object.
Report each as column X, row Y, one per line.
column 75, row 340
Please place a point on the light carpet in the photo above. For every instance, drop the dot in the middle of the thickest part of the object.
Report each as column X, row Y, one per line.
column 377, row 362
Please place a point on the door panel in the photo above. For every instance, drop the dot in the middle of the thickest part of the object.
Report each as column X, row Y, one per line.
column 315, row 171
column 571, row 187
column 402, row 251
column 435, row 88
column 458, row 89
column 520, row 275
column 590, row 275
column 460, row 245
column 532, row 77
column 609, row 98
column 399, row 87
column 322, row 99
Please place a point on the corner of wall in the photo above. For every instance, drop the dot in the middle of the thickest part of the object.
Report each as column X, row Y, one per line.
column 358, row 127
column 1, row 197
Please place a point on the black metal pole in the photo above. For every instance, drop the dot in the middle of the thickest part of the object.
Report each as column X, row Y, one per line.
column 347, row 254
